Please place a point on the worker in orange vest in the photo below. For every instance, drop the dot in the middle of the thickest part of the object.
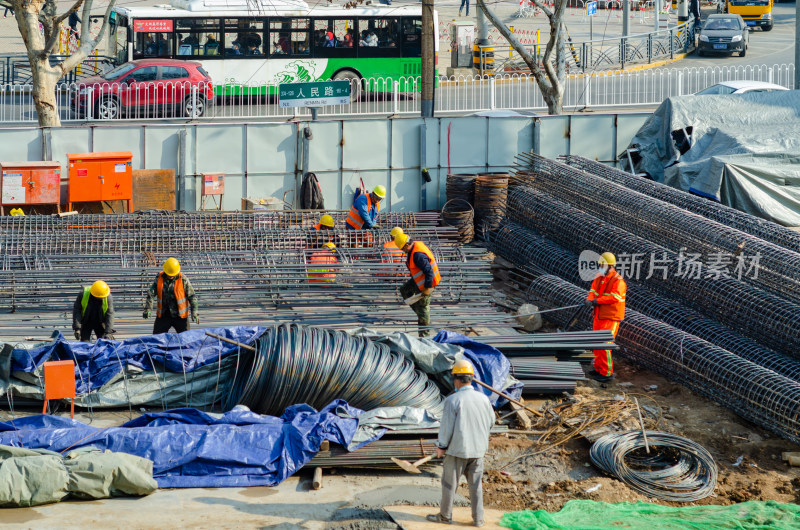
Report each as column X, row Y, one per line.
column 391, row 254
column 607, row 298
column 322, row 232
column 425, row 276
column 320, row 263
column 325, row 223
column 174, row 297
column 366, row 207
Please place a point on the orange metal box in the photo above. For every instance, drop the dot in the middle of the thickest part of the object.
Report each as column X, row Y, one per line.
column 97, row 177
column 30, row 183
column 213, row 184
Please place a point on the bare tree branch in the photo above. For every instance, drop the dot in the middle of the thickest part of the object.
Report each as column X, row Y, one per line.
column 72, row 9
column 87, row 45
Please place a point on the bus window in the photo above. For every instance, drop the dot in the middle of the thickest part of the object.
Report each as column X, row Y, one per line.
column 243, row 37
column 412, row 37
column 379, row 37
column 119, row 38
column 198, row 36
column 334, row 38
column 153, row 44
column 344, row 32
column 288, row 36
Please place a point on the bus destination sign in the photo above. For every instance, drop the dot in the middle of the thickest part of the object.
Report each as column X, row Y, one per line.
column 316, row 94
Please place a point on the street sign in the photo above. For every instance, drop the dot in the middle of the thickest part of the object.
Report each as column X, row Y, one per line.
column 591, row 8
column 317, row 94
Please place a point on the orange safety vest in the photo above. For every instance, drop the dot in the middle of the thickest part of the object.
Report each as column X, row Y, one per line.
column 609, row 291
column 180, row 295
column 320, row 273
column 416, row 273
column 391, row 254
column 318, row 226
column 354, row 219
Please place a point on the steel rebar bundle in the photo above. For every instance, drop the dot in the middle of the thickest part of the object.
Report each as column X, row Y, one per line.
column 755, row 313
column 672, row 227
column 689, row 475
column 750, row 224
column 375, row 454
column 537, row 255
column 458, row 213
column 299, row 364
column 755, row 393
column 461, row 186
column 491, row 191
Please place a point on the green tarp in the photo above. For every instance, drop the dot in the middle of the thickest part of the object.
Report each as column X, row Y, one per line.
column 590, row 515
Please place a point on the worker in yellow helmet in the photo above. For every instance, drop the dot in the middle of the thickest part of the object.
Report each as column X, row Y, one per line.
column 321, row 264
column 363, row 214
column 93, row 310
column 607, row 299
column 425, row 276
column 174, row 297
column 392, row 255
column 325, row 223
column 322, row 232
column 463, row 441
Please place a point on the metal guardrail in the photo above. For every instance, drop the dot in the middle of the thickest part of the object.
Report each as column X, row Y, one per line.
column 597, row 55
column 387, row 97
column 16, row 68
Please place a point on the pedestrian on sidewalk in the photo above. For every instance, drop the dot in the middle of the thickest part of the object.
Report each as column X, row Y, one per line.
column 463, row 440
column 5, row 13
column 463, row 3
column 174, row 296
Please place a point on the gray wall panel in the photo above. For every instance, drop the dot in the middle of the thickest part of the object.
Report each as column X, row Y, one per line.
column 325, row 147
column 220, row 149
column 553, row 136
column 365, row 144
column 585, row 139
column 271, row 148
column 627, row 126
column 161, row 147
column 507, row 138
column 68, row 140
column 122, row 138
column 464, row 140
column 18, row 145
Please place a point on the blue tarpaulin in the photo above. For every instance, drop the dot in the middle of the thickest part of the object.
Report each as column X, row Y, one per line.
column 97, row 363
column 192, row 449
column 491, row 366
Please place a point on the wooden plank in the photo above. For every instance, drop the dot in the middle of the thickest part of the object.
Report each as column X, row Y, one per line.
column 153, row 189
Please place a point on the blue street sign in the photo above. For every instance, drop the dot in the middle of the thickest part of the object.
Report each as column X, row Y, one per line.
column 591, row 8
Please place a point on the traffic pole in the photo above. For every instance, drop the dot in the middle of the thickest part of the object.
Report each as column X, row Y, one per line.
column 428, row 66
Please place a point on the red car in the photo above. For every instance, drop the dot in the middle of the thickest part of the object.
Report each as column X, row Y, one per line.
column 144, row 88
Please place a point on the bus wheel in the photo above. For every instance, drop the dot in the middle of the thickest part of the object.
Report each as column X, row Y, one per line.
column 355, row 83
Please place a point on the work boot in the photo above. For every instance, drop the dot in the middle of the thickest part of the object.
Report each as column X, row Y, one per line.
column 438, row 518
column 597, row 376
column 479, row 523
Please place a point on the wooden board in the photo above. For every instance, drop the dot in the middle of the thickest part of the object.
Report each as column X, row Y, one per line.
column 153, row 189
column 413, row 517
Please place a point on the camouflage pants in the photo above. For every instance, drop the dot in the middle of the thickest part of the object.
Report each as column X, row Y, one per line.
column 422, row 307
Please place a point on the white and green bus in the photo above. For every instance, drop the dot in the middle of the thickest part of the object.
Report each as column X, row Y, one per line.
column 249, row 46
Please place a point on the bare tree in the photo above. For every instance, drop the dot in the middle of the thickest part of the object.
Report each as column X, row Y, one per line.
column 40, row 44
column 551, row 73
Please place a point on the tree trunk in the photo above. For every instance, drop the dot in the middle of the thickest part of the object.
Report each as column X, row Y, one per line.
column 45, row 79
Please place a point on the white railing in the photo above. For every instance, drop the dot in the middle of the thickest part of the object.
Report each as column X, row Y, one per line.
column 382, row 97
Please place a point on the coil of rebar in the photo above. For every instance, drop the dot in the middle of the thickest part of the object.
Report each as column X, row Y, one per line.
column 461, row 186
column 299, row 364
column 660, row 464
column 491, row 192
column 459, row 214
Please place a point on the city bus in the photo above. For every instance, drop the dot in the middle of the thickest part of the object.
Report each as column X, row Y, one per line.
column 249, row 46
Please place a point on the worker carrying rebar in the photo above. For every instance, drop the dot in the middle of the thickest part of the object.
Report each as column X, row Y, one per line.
column 321, row 267
column 93, row 310
column 174, row 297
column 607, row 298
column 417, row 291
column 463, row 440
column 363, row 214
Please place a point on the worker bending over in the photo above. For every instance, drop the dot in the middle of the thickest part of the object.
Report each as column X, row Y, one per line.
column 363, row 214
column 463, row 440
column 425, row 277
column 174, row 296
column 93, row 310
column 607, row 298
column 321, row 264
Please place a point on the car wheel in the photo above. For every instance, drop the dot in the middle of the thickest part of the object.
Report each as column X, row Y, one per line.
column 700, row 53
column 767, row 28
column 194, row 106
column 108, row 108
column 743, row 52
column 355, row 83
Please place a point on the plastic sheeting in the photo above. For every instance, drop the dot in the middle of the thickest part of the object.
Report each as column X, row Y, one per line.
column 744, row 150
column 193, row 449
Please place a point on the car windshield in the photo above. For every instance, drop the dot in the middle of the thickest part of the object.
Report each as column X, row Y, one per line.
column 722, row 23
column 119, row 71
column 716, row 90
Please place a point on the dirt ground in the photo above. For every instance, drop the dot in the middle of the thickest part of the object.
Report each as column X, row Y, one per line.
column 748, row 458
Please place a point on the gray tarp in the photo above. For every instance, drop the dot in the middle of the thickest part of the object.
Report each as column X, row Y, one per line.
column 32, row 477
column 745, row 150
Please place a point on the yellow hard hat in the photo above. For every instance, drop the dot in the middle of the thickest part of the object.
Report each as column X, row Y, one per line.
column 330, row 245
column 326, row 220
column 607, row 258
column 17, row 212
column 172, row 267
column 396, row 231
column 463, row 367
column 380, row 191
column 400, row 240
column 100, row 289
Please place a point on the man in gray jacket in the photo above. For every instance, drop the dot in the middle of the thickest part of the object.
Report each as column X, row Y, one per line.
column 463, row 440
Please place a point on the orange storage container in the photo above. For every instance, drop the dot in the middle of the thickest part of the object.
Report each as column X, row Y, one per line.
column 95, row 177
column 29, row 183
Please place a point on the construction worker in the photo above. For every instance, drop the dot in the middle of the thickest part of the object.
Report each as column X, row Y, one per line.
column 607, row 298
column 366, row 207
column 319, row 265
column 325, row 223
column 463, row 440
column 425, row 277
column 174, row 296
column 93, row 310
column 391, row 254
column 322, row 232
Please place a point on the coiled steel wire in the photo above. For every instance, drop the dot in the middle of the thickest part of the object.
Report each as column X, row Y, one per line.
column 536, row 255
column 675, row 468
column 459, row 214
column 760, row 315
column 672, row 227
column 461, row 186
column 299, row 364
column 751, row 391
column 750, row 224
column 491, row 192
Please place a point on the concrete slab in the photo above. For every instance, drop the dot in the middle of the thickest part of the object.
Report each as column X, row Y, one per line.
column 413, row 517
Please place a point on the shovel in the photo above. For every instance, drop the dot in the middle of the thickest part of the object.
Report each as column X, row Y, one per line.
column 412, row 467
